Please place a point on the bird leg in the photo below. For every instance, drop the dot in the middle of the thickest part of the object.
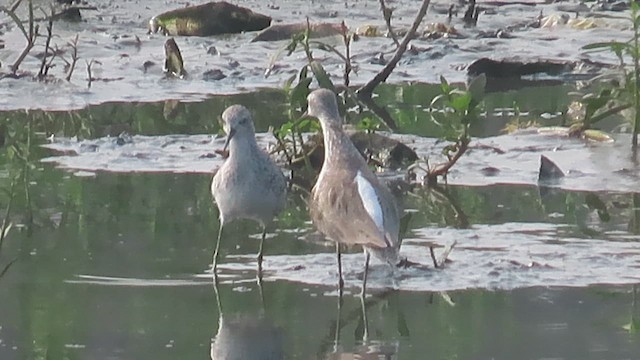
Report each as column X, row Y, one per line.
column 367, row 256
column 365, row 320
column 261, row 251
column 217, row 293
column 217, row 251
column 336, row 343
column 340, row 281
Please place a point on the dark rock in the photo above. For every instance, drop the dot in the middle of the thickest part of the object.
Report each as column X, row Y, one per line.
column 173, row 64
column 213, row 75
column 516, row 69
column 548, row 170
column 208, row 19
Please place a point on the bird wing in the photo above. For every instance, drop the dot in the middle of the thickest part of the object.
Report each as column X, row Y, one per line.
column 340, row 211
column 370, row 200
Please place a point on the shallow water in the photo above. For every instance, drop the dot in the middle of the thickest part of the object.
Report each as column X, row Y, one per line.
column 115, row 267
column 112, row 234
column 114, row 241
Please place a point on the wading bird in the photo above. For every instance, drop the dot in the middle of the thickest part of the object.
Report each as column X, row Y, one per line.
column 248, row 185
column 348, row 203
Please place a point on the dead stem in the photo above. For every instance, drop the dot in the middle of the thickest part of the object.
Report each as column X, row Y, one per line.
column 90, row 78
column 282, row 146
column 74, row 57
column 15, row 5
column 446, row 252
column 44, row 66
column 433, row 257
column 366, row 91
column 346, row 38
column 30, row 36
column 443, row 169
column 386, row 12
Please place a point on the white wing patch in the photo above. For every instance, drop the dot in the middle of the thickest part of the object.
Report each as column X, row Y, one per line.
column 370, row 201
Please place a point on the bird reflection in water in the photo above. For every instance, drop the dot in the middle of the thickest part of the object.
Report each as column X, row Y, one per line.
column 245, row 336
column 368, row 349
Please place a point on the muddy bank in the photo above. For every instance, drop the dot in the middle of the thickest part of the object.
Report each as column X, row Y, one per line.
column 503, row 159
column 128, row 62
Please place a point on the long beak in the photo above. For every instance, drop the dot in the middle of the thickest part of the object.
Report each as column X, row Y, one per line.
column 305, row 115
column 229, row 136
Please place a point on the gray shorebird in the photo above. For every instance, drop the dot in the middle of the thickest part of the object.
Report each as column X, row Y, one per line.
column 248, row 185
column 348, row 203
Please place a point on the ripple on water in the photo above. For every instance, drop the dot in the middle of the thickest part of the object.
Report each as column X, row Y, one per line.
column 504, row 256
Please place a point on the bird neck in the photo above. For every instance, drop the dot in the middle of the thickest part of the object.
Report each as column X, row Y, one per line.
column 337, row 144
column 242, row 145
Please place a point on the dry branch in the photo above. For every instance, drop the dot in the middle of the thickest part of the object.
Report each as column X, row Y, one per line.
column 367, row 90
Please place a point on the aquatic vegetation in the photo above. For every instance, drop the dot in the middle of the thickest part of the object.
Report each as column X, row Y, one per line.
column 624, row 94
column 361, row 98
column 51, row 51
column 455, row 111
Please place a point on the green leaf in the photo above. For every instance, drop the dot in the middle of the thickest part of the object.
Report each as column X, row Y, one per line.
column 300, row 92
column 321, row 75
column 600, row 45
column 461, row 103
column 477, row 86
column 444, row 85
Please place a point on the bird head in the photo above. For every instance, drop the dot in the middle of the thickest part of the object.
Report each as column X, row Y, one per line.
column 237, row 122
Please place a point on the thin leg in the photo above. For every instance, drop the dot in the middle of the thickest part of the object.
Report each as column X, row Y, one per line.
column 217, row 251
column 261, row 291
column 367, row 256
column 340, row 280
column 336, row 342
column 365, row 320
column 261, row 252
column 217, row 293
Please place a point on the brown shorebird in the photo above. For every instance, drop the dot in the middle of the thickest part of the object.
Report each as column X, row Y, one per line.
column 248, row 185
column 348, row 203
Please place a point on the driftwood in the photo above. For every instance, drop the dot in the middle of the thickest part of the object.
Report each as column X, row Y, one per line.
column 286, row 31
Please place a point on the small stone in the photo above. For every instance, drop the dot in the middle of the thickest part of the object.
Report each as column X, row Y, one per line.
column 213, row 75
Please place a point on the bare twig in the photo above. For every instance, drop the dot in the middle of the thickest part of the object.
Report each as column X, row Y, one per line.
column 282, row 146
column 74, row 57
column 366, row 91
column 15, row 5
column 386, row 12
column 44, row 67
column 30, row 36
column 433, row 257
column 443, row 169
column 90, row 78
column 6, row 267
column 446, row 252
column 346, row 38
